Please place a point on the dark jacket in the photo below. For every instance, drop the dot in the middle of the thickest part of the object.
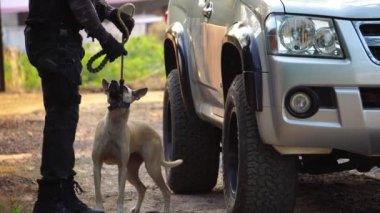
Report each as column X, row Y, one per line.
column 75, row 14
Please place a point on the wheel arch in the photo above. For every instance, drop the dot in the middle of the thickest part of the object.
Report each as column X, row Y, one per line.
column 232, row 64
column 176, row 57
column 240, row 55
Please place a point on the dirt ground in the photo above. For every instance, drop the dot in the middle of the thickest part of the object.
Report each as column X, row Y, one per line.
column 21, row 124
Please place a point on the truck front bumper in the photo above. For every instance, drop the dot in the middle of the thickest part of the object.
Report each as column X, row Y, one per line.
column 349, row 126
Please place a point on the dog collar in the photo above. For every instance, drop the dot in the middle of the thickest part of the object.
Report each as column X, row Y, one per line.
column 122, row 104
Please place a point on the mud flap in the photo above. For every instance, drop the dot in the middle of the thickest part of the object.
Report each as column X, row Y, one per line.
column 254, row 89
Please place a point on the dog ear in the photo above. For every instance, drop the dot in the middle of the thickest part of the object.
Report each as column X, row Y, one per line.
column 137, row 94
column 105, row 85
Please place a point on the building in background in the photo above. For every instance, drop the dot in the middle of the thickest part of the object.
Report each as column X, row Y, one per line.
column 14, row 13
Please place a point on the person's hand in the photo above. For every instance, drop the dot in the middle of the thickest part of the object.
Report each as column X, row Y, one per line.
column 113, row 48
column 127, row 19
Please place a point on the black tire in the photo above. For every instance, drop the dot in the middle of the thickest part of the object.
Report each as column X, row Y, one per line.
column 256, row 177
column 187, row 137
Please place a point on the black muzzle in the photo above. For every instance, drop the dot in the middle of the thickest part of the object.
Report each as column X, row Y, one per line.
column 116, row 92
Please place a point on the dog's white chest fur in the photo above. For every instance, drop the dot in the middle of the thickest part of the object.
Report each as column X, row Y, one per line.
column 110, row 152
column 111, row 141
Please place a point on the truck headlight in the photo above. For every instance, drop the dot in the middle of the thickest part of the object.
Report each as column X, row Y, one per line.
column 302, row 36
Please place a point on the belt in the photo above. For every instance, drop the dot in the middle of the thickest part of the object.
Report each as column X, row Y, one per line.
column 59, row 33
column 51, row 27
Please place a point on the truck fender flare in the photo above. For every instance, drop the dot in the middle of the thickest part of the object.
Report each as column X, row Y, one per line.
column 176, row 57
column 242, row 38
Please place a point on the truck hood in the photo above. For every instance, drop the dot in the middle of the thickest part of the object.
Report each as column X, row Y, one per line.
column 350, row 9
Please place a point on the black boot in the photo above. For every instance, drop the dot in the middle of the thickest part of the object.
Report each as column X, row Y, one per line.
column 48, row 201
column 70, row 199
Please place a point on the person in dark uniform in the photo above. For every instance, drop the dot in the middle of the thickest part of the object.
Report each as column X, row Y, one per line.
column 54, row 47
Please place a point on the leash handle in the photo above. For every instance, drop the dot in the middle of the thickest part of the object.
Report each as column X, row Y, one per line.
column 127, row 8
column 102, row 64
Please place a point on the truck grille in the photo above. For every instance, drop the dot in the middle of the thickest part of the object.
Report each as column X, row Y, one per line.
column 369, row 32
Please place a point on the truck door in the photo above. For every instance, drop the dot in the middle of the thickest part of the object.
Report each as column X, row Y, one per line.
column 217, row 16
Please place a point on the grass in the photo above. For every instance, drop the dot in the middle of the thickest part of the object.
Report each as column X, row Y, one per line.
column 145, row 57
column 13, row 207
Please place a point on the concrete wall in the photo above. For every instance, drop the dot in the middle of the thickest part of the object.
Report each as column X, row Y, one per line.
column 10, row 19
column 13, row 35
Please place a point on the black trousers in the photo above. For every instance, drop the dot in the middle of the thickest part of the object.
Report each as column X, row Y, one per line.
column 57, row 54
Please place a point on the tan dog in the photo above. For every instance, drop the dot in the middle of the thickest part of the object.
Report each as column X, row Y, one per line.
column 128, row 145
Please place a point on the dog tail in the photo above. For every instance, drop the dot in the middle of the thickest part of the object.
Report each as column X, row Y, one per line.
column 171, row 164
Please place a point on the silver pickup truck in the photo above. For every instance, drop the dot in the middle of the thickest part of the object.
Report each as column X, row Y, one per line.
column 280, row 87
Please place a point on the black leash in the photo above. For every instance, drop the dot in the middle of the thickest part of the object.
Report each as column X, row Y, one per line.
column 124, row 8
column 102, row 64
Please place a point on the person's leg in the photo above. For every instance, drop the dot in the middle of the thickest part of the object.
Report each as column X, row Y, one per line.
column 61, row 100
column 59, row 67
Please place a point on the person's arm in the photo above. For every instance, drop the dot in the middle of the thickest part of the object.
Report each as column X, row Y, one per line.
column 85, row 13
column 106, row 11
column 103, row 9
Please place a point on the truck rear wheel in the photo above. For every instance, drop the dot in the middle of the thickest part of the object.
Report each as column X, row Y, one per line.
column 256, row 177
column 187, row 137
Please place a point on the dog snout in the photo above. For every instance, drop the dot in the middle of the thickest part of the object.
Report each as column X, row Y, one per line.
column 114, row 85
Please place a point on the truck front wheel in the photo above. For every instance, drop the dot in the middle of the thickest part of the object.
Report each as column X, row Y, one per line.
column 256, row 177
column 187, row 137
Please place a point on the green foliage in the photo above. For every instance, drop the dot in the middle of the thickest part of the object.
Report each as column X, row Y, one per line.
column 31, row 78
column 16, row 210
column 145, row 57
column 19, row 74
column 12, row 207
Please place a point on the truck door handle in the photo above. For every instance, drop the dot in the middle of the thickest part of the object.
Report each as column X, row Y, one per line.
column 208, row 10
